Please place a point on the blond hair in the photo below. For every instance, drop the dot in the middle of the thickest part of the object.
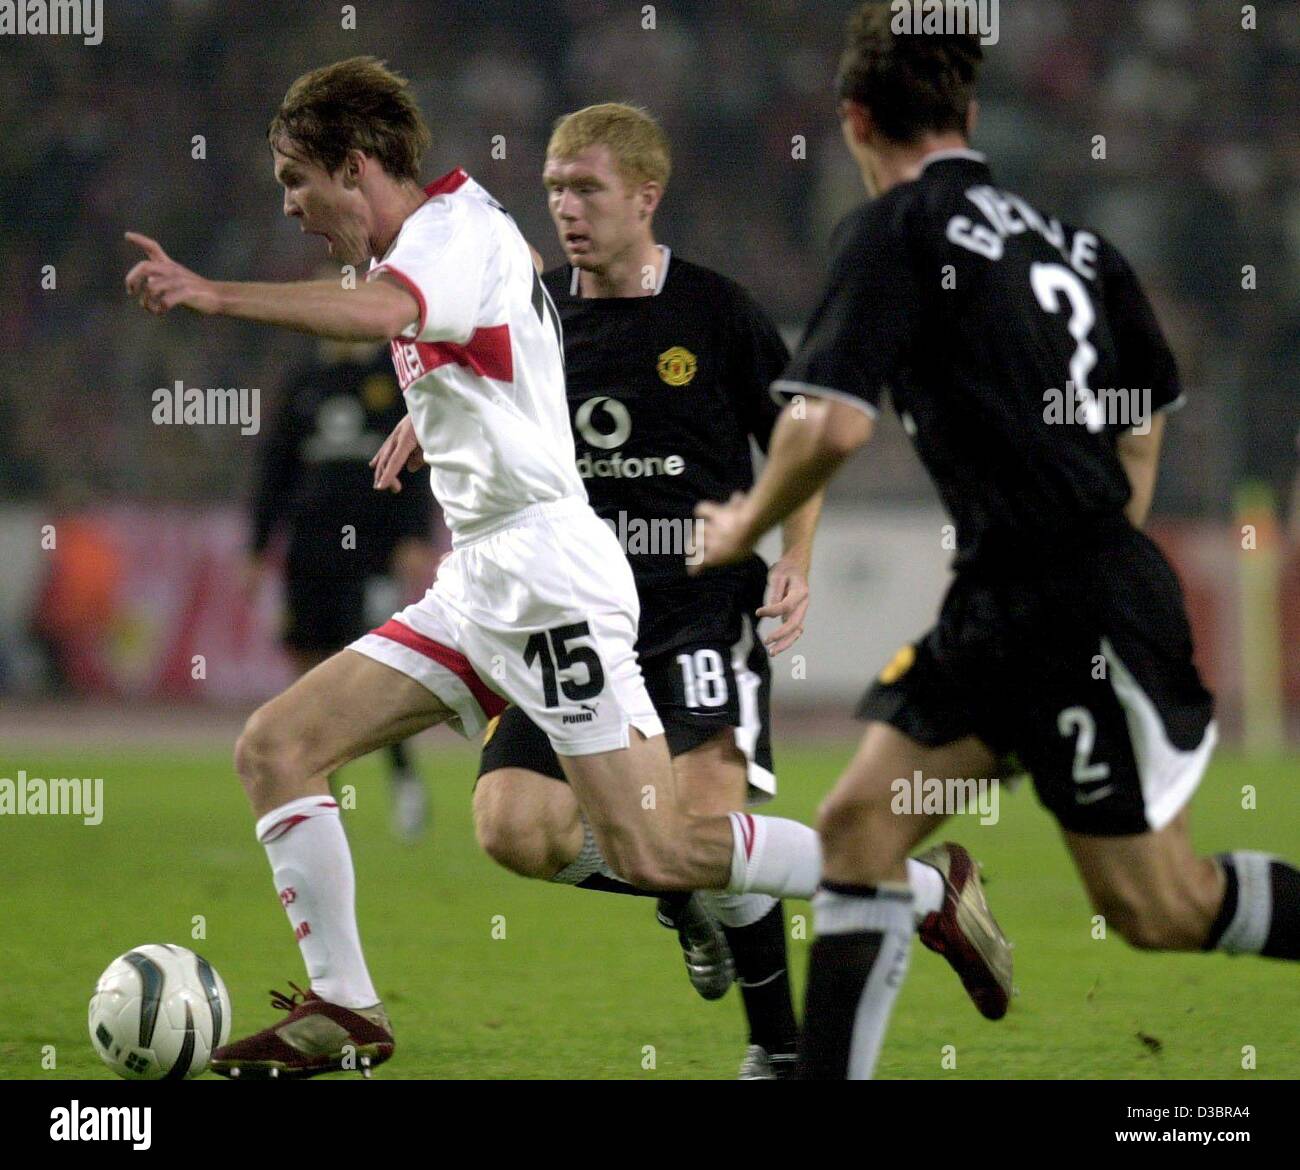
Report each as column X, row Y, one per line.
column 635, row 140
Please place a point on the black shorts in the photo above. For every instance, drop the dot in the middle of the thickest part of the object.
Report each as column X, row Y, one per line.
column 324, row 614
column 697, row 689
column 1080, row 672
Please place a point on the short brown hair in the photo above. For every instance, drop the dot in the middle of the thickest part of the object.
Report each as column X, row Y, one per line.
column 357, row 104
column 913, row 83
column 635, row 140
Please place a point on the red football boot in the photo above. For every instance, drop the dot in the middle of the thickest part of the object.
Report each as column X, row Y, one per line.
column 965, row 932
column 318, row 1037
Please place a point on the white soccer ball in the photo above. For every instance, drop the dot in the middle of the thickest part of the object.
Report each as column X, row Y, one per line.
column 158, row 1012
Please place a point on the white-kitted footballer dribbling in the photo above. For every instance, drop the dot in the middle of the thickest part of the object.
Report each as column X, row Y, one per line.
column 536, row 603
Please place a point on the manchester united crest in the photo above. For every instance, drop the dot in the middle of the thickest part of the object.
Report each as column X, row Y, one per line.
column 677, row 366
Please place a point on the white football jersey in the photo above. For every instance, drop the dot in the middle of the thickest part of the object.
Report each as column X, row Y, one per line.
column 482, row 369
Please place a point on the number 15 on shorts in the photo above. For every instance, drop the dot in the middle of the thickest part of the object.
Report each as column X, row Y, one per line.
column 555, row 651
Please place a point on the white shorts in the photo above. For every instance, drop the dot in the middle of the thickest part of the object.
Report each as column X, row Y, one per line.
column 541, row 612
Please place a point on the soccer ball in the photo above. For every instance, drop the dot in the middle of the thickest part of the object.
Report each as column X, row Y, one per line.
column 158, row 1012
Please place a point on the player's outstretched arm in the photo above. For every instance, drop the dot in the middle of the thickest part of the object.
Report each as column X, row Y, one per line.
column 812, row 438
column 376, row 311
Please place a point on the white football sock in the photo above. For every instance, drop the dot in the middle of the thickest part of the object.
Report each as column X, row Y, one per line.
column 312, row 867
column 771, row 855
column 738, row 910
column 927, row 889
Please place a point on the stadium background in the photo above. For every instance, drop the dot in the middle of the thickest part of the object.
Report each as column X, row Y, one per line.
column 1201, row 121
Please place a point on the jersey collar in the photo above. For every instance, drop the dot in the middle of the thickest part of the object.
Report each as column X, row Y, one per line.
column 575, row 288
column 451, row 182
column 955, row 152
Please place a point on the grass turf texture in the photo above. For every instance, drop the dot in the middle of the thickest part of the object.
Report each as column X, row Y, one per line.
column 583, row 984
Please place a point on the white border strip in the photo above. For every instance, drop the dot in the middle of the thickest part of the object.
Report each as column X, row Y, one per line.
column 783, row 387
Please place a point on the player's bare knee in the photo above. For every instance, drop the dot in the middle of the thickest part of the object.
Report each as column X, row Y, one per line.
column 266, row 755
column 505, row 832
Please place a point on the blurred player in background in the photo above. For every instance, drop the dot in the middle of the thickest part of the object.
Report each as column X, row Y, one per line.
column 668, row 367
column 1063, row 643
column 351, row 555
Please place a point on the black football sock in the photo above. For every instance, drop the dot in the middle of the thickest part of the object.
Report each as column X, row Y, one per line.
column 1260, row 913
column 610, row 885
column 399, row 758
column 864, row 939
column 758, row 947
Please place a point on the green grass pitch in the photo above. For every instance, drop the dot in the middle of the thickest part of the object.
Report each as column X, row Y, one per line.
column 586, row 985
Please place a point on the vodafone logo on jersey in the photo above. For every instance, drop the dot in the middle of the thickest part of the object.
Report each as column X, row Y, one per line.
column 611, row 409
column 605, row 423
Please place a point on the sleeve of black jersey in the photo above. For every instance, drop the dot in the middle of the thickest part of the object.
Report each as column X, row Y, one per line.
column 861, row 333
column 277, row 469
column 413, row 508
column 756, row 357
column 1145, row 360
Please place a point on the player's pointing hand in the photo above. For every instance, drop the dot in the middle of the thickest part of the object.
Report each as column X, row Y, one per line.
column 161, row 284
column 723, row 533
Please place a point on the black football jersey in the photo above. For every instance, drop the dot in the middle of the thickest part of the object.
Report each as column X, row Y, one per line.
column 665, row 393
column 314, row 475
column 1015, row 349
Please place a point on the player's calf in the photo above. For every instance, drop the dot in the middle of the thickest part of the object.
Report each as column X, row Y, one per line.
column 1174, row 916
column 629, row 799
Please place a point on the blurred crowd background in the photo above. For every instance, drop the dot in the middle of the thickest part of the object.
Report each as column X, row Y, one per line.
column 1201, row 121
column 1165, row 124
